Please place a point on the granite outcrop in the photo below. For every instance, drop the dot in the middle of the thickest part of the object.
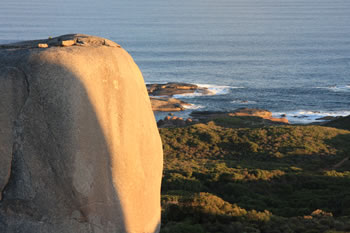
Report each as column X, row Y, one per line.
column 79, row 147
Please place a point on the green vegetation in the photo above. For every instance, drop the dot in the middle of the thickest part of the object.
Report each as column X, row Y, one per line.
column 221, row 178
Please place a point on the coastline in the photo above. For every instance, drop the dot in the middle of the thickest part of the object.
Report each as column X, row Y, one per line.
column 189, row 100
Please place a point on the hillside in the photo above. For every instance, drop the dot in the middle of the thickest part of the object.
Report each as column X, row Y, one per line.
column 267, row 179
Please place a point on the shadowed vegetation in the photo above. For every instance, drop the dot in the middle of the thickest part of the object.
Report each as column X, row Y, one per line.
column 221, row 178
column 341, row 123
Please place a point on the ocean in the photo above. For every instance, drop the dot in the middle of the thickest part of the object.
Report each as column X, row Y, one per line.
column 288, row 56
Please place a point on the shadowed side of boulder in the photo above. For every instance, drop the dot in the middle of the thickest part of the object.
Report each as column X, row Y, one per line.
column 13, row 92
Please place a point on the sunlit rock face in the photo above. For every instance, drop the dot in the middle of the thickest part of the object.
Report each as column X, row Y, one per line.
column 79, row 146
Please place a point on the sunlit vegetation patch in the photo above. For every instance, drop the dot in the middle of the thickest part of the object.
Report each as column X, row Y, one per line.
column 271, row 179
column 337, row 174
column 210, row 140
column 208, row 207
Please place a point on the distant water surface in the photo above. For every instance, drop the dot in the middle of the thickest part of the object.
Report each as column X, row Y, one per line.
column 291, row 57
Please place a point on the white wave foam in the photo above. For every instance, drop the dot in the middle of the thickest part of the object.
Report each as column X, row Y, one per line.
column 217, row 89
column 337, row 88
column 212, row 90
column 193, row 106
column 304, row 116
column 243, row 102
column 155, row 82
column 188, row 95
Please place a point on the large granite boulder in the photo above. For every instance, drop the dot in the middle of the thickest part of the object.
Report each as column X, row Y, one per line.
column 79, row 145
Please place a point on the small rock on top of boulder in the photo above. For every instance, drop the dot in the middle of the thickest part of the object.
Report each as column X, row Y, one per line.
column 65, row 41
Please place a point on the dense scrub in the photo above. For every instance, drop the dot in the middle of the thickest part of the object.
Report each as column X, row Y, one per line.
column 268, row 179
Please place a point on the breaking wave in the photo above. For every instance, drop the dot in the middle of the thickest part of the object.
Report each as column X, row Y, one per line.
column 211, row 90
column 304, row 116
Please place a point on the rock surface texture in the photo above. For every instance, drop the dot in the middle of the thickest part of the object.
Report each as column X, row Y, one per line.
column 79, row 145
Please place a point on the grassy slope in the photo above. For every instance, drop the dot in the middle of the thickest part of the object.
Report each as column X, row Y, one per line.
column 268, row 179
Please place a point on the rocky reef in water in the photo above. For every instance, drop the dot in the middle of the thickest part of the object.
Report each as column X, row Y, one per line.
column 175, row 88
column 165, row 104
column 162, row 95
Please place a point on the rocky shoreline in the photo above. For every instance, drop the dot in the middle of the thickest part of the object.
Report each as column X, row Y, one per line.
column 245, row 116
column 161, row 96
column 165, row 104
column 240, row 112
column 163, row 99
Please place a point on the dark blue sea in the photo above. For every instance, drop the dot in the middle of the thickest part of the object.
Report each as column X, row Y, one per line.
column 288, row 56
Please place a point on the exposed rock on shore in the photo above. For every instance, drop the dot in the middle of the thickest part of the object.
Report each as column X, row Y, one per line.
column 265, row 114
column 328, row 118
column 243, row 117
column 164, row 104
column 173, row 88
column 79, row 148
